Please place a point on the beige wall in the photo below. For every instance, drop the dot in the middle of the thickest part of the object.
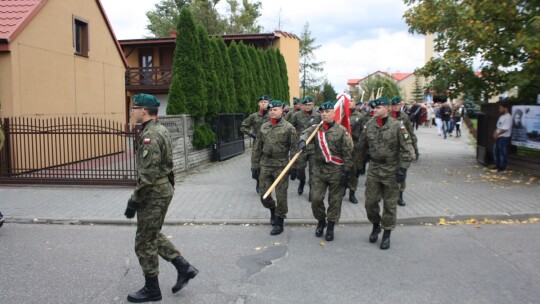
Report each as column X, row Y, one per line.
column 290, row 49
column 407, row 85
column 49, row 80
column 6, row 106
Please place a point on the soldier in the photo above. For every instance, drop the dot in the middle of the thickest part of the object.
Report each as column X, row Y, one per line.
column 301, row 121
column 400, row 116
column 297, row 107
column 357, row 120
column 276, row 140
column 150, row 201
column 332, row 163
column 390, row 150
column 252, row 124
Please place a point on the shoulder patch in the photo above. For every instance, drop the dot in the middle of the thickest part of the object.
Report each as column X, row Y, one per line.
column 147, row 140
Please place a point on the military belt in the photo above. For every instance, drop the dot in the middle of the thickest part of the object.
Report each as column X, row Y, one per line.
column 162, row 180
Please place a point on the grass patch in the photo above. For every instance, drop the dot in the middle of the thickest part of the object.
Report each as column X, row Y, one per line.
column 475, row 123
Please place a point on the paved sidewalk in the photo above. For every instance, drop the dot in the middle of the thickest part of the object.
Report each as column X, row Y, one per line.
column 445, row 182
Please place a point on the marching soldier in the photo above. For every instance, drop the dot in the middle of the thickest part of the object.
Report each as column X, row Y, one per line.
column 400, row 116
column 389, row 146
column 357, row 121
column 276, row 140
column 297, row 107
column 251, row 125
column 150, row 201
column 301, row 121
column 332, row 163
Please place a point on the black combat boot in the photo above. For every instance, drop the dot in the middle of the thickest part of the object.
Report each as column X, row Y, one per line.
column 278, row 228
column 330, row 231
column 385, row 243
column 186, row 272
column 375, row 233
column 301, row 187
column 320, row 228
column 352, row 198
column 401, row 201
column 273, row 216
column 150, row 291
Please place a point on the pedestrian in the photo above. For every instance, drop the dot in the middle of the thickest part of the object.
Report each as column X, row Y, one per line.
column 446, row 114
column 357, row 120
column 429, row 115
column 150, row 201
column 389, row 146
column 401, row 117
column 457, row 115
column 438, row 119
column 301, row 121
column 332, row 163
column 252, row 124
column 275, row 144
column 416, row 113
column 501, row 135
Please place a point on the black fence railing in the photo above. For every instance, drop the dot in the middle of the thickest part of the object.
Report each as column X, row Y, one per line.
column 67, row 150
column 230, row 140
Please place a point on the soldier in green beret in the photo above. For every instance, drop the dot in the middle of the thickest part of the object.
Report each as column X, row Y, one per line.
column 389, row 146
column 276, row 142
column 252, row 124
column 297, row 107
column 332, row 163
column 150, row 201
column 301, row 121
column 400, row 116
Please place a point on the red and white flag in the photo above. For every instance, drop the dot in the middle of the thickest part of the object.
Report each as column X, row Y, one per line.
column 342, row 111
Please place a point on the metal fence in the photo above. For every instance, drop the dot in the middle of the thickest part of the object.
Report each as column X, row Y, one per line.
column 67, row 150
column 230, row 140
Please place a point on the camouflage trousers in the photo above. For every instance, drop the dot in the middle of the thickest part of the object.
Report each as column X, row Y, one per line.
column 322, row 182
column 388, row 191
column 353, row 180
column 301, row 165
column 267, row 176
column 150, row 243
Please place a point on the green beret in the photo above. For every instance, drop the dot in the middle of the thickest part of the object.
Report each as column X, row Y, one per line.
column 145, row 100
column 295, row 100
column 308, row 99
column 378, row 102
column 264, row 97
column 275, row 104
column 359, row 103
column 327, row 105
column 395, row 100
column 372, row 104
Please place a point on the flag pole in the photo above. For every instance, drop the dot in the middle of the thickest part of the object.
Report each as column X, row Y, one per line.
column 289, row 165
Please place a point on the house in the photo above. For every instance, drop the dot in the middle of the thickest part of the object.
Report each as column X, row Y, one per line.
column 60, row 58
column 406, row 81
column 151, row 61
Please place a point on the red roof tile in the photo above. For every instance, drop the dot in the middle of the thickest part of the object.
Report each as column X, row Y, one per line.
column 401, row 76
column 15, row 14
column 353, row 81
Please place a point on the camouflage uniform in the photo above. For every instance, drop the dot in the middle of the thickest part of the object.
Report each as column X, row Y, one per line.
column 153, row 194
column 404, row 118
column 357, row 120
column 301, row 120
column 252, row 124
column 389, row 148
column 327, row 175
column 271, row 156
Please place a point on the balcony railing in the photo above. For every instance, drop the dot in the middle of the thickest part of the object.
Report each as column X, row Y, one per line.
column 148, row 78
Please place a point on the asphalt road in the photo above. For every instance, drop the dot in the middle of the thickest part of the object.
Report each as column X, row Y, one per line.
column 244, row 264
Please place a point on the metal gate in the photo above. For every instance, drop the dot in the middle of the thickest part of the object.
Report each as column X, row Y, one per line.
column 67, row 150
column 230, row 141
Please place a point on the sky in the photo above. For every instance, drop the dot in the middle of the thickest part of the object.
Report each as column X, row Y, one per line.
column 356, row 37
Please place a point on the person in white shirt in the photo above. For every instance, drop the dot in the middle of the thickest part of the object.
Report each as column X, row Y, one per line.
column 502, row 135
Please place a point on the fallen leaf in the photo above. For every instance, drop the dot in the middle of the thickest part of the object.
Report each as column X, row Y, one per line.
column 322, row 244
column 442, row 221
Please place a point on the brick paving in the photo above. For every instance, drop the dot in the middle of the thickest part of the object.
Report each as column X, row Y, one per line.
column 446, row 182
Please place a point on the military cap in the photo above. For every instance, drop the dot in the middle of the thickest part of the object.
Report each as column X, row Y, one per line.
column 327, row 105
column 275, row 104
column 372, row 104
column 359, row 103
column 395, row 100
column 295, row 100
column 308, row 99
column 382, row 101
column 265, row 97
column 145, row 100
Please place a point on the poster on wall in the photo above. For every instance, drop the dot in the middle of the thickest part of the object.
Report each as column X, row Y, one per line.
column 526, row 126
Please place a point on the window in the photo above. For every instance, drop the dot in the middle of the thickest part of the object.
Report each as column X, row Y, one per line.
column 80, row 36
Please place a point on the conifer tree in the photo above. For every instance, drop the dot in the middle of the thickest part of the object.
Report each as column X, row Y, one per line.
column 219, row 65
column 230, row 90
column 239, row 79
column 250, row 77
column 211, row 78
column 283, row 77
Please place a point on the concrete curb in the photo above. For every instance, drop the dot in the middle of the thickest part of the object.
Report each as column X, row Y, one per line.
column 265, row 221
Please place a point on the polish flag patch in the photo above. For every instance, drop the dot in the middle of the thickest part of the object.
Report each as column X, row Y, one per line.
column 146, row 141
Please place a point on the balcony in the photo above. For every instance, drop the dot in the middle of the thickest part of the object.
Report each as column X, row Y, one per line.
column 155, row 78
